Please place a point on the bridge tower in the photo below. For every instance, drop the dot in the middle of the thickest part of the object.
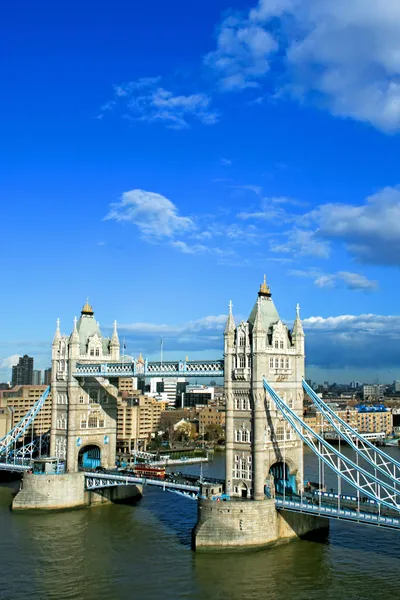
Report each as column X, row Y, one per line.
column 260, row 445
column 84, row 411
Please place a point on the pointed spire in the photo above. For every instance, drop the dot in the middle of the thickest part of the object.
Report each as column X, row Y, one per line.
column 258, row 322
column 57, row 334
column 115, row 338
column 230, row 323
column 74, row 337
column 297, row 325
column 265, row 289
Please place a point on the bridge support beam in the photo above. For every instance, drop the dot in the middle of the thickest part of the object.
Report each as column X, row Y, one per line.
column 250, row 524
column 58, row 492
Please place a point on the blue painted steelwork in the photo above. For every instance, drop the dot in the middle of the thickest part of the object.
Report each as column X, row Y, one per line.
column 8, row 441
column 365, row 482
column 143, row 368
column 89, row 457
column 283, row 480
column 40, row 444
column 344, row 514
column 375, row 457
column 95, row 481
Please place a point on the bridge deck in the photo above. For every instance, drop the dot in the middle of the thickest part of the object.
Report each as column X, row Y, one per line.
column 343, row 514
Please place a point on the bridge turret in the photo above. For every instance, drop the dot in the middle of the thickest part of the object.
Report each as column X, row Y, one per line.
column 57, row 335
column 74, row 342
column 298, row 332
column 114, row 345
column 259, row 331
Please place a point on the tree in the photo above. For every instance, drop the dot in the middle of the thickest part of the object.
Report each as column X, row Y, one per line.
column 214, row 432
column 184, row 430
column 167, row 422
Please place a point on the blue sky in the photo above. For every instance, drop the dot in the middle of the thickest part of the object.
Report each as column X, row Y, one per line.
column 160, row 158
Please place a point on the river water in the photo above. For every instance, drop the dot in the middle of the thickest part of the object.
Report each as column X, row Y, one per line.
column 120, row 552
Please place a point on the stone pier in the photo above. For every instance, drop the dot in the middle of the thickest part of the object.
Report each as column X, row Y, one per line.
column 249, row 524
column 58, row 492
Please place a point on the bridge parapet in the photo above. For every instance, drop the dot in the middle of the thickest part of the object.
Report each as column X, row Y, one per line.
column 140, row 368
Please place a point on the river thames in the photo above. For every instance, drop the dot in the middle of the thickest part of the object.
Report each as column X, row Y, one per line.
column 120, row 552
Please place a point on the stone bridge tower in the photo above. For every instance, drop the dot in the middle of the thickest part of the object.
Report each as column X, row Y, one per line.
column 84, row 411
column 260, row 446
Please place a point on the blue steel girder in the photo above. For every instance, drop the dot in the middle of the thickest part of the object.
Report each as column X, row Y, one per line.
column 140, row 368
column 375, row 457
column 103, row 480
column 344, row 467
column 41, row 442
column 12, row 436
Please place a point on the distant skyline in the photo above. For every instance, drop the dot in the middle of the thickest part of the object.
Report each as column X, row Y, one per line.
column 160, row 159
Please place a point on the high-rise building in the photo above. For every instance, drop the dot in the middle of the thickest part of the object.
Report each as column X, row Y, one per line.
column 22, row 373
column 47, row 376
column 36, row 377
column 170, row 386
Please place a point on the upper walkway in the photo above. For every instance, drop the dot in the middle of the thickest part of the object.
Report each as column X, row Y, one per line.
column 144, row 368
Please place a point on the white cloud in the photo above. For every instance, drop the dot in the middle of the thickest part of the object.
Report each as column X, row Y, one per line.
column 146, row 100
column 9, row 361
column 371, row 231
column 352, row 281
column 152, row 213
column 367, row 341
column 302, row 243
column 242, row 54
column 225, row 162
column 343, row 55
column 190, row 249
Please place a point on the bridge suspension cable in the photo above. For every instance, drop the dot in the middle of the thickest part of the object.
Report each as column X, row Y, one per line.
column 12, row 436
column 359, row 478
column 375, row 457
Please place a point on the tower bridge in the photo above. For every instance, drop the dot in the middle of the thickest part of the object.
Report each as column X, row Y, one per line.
column 264, row 497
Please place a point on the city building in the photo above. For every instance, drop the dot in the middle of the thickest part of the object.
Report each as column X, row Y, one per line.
column 373, row 391
column 396, row 386
column 374, row 420
column 197, row 396
column 211, row 415
column 47, row 377
column 173, row 387
column 315, row 420
column 22, row 373
column 36, row 377
column 19, row 400
column 138, row 421
column 5, row 421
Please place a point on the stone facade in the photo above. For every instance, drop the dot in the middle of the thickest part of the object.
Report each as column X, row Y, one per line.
column 84, row 412
column 59, row 492
column 257, row 437
column 238, row 524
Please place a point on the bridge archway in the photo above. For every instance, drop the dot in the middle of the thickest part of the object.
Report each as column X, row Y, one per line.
column 244, row 490
column 89, row 457
column 284, row 481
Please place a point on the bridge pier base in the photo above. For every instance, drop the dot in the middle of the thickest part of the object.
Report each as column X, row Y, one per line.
column 249, row 524
column 59, row 492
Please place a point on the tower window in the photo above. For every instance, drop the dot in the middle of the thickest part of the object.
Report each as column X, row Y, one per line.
column 281, row 344
column 276, row 344
column 97, row 352
column 241, row 340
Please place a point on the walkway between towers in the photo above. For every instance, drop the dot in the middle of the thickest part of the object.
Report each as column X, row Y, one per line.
column 144, row 368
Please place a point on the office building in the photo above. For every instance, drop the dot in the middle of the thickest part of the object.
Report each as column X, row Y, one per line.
column 22, row 373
